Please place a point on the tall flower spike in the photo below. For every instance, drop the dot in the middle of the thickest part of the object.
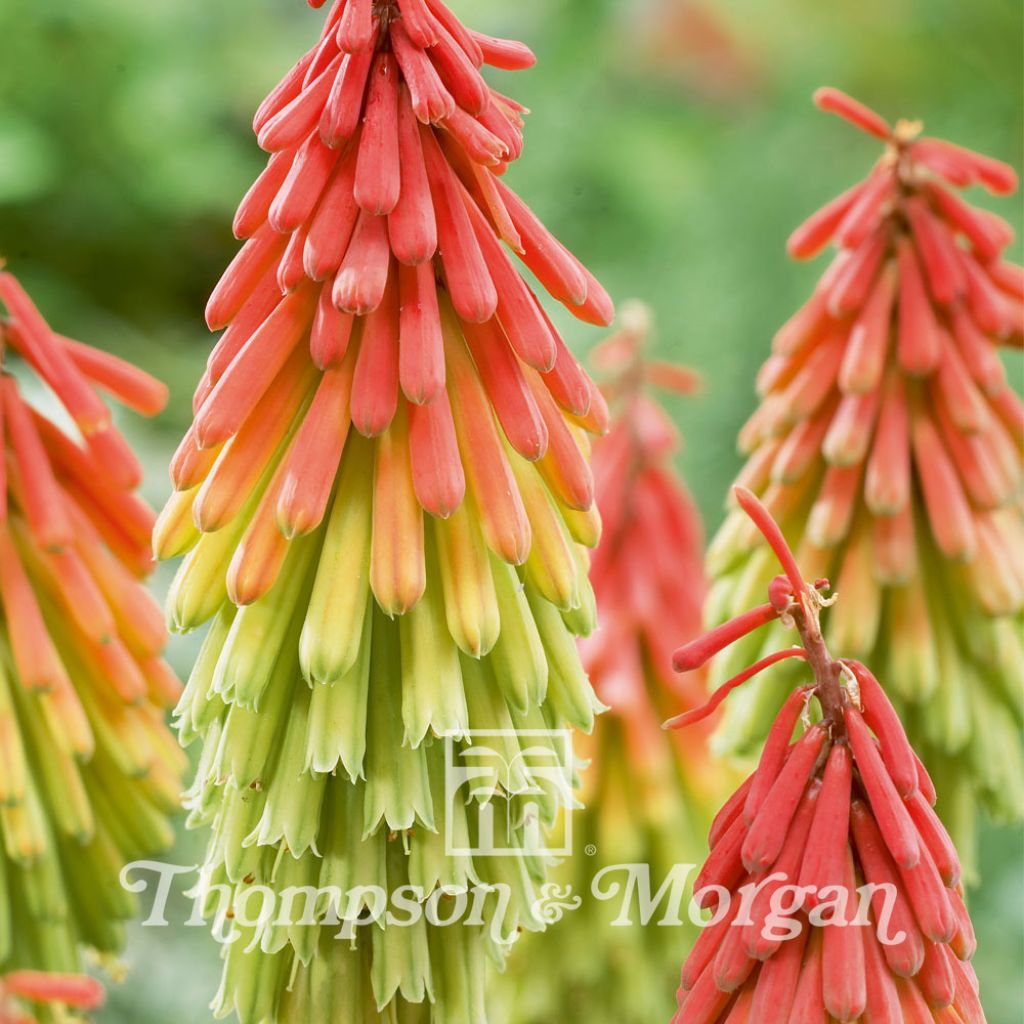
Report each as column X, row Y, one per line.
column 843, row 806
column 89, row 772
column 28, row 997
column 384, row 503
column 649, row 794
column 887, row 445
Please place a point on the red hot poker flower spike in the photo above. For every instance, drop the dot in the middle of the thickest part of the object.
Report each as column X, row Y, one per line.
column 89, row 773
column 821, row 819
column 648, row 585
column 886, row 446
column 385, row 503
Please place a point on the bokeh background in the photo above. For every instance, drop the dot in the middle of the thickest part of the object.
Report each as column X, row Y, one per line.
column 672, row 145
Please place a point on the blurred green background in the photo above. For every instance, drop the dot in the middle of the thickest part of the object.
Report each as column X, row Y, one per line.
column 672, row 145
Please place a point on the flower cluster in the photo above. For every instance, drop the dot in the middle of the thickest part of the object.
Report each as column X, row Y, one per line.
column 38, row 992
column 384, row 501
column 887, row 446
column 844, row 806
column 88, row 770
column 649, row 794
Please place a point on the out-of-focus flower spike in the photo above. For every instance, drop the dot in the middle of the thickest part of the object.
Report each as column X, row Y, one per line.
column 882, row 441
column 80, row 672
column 948, row 510
column 987, row 240
column 863, row 214
column 955, row 393
column 30, row 336
column 978, row 355
column 71, row 990
column 853, row 284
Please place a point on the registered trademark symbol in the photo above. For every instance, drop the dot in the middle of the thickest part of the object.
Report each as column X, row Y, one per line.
column 590, row 850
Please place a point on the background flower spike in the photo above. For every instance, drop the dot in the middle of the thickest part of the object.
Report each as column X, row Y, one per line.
column 885, row 446
column 648, row 793
column 89, row 772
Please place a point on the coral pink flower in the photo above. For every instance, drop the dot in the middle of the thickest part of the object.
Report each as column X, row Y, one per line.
column 846, row 805
column 88, row 770
column 385, row 500
column 887, row 445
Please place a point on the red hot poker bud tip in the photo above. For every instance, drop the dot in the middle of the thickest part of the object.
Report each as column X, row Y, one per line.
column 698, row 651
column 762, row 519
column 834, row 101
